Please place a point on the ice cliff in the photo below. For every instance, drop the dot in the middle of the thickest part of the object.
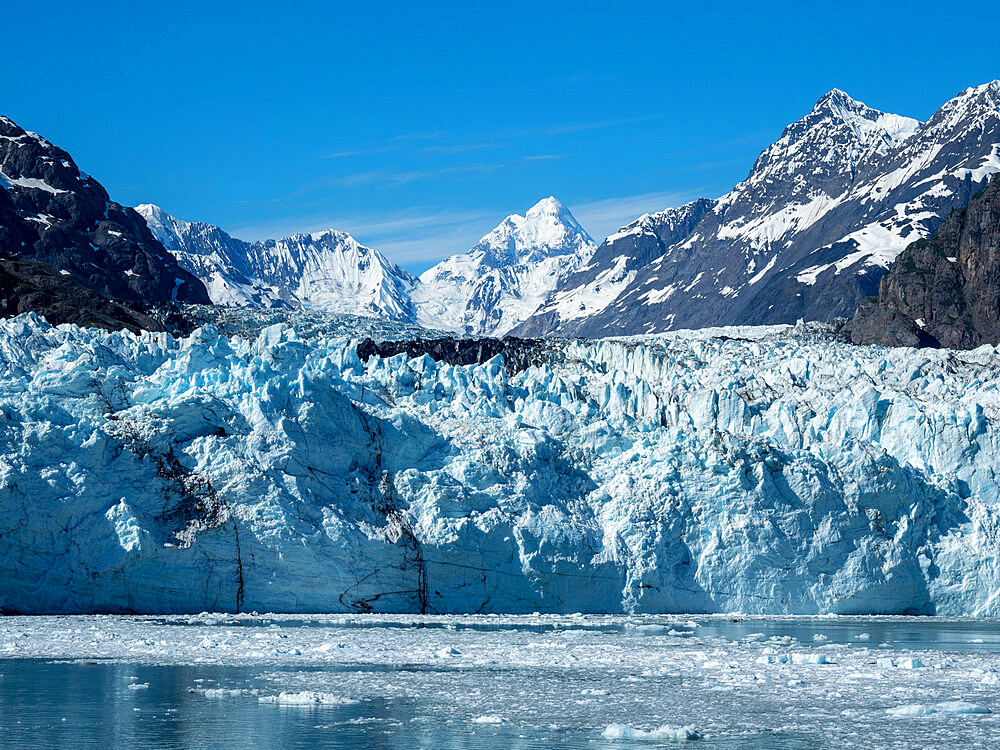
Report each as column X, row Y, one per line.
column 757, row 470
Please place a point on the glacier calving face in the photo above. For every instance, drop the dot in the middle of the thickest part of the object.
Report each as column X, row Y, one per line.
column 731, row 470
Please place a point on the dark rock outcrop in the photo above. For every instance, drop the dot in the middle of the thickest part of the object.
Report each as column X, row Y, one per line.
column 54, row 214
column 944, row 290
column 26, row 286
column 518, row 354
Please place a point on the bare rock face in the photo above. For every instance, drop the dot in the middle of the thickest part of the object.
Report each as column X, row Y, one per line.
column 944, row 290
column 54, row 214
column 26, row 286
column 519, row 354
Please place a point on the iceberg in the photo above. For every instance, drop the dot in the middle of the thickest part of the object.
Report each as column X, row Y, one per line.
column 758, row 470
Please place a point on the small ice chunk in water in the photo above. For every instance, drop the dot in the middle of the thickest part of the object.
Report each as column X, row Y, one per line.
column 809, row 659
column 217, row 693
column 593, row 691
column 138, row 686
column 990, row 678
column 666, row 732
column 445, row 653
column 819, row 637
column 306, row 698
column 885, row 662
column 773, row 659
column 864, row 636
column 911, row 663
column 487, row 720
column 949, row 707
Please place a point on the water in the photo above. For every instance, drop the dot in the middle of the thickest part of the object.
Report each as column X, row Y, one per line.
column 486, row 682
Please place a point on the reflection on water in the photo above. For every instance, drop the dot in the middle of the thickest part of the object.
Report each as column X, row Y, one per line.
column 106, row 705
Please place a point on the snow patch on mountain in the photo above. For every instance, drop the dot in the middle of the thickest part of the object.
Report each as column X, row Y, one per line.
column 825, row 209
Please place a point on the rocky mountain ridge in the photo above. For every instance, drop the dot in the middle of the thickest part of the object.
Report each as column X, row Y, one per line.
column 809, row 232
column 486, row 291
column 62, row 220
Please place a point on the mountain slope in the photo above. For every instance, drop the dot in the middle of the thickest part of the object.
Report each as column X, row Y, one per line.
column 614, row 265
column 812, row 228
column 53, row 214
column 502, row 279
column 944, row 290
column 325, row 270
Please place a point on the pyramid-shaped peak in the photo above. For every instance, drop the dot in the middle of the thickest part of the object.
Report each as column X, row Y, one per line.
column 838, row 102
column 550, row 206
column 151, row 210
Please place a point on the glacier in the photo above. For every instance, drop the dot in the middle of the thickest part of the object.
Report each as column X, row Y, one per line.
column 761, row 470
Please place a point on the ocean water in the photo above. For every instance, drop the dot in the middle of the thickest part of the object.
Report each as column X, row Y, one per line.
column 498, row 682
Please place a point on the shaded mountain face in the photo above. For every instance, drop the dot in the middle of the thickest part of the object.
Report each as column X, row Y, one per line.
column 612, row 268
column 944, row 290
column 324, row 270
column 504, row 277
column 51, row 213
column 809, row 232
column 27, row 286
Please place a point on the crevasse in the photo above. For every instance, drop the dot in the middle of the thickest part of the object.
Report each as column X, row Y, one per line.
column 759, row 470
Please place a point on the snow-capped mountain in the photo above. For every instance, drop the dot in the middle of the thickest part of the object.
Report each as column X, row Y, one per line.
column 613, row 267
column 735, row 470
column 324, row 270
column 808, row 233
column 488, row 290
column 506, row 275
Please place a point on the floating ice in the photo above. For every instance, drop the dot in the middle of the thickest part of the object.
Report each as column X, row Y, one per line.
column 949, row 707
column 665, row 732
column 307, row 698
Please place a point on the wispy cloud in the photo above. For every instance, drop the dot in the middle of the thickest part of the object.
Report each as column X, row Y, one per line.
column 415, row 237
column 484, row 141
column 598, row 125
column 394, row 177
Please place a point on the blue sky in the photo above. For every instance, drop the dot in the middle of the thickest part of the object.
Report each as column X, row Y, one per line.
column 418, row 127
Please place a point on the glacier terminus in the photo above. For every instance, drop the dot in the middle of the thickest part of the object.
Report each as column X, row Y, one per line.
column 761, row 470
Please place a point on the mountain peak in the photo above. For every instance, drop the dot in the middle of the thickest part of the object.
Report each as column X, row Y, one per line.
column 974, row 104
column 870, row 126
column 546, row 229
column 837, row 98
column 550, row 206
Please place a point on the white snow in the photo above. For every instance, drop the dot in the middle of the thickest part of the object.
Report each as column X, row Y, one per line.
column 32, row 183
column 503, row 279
